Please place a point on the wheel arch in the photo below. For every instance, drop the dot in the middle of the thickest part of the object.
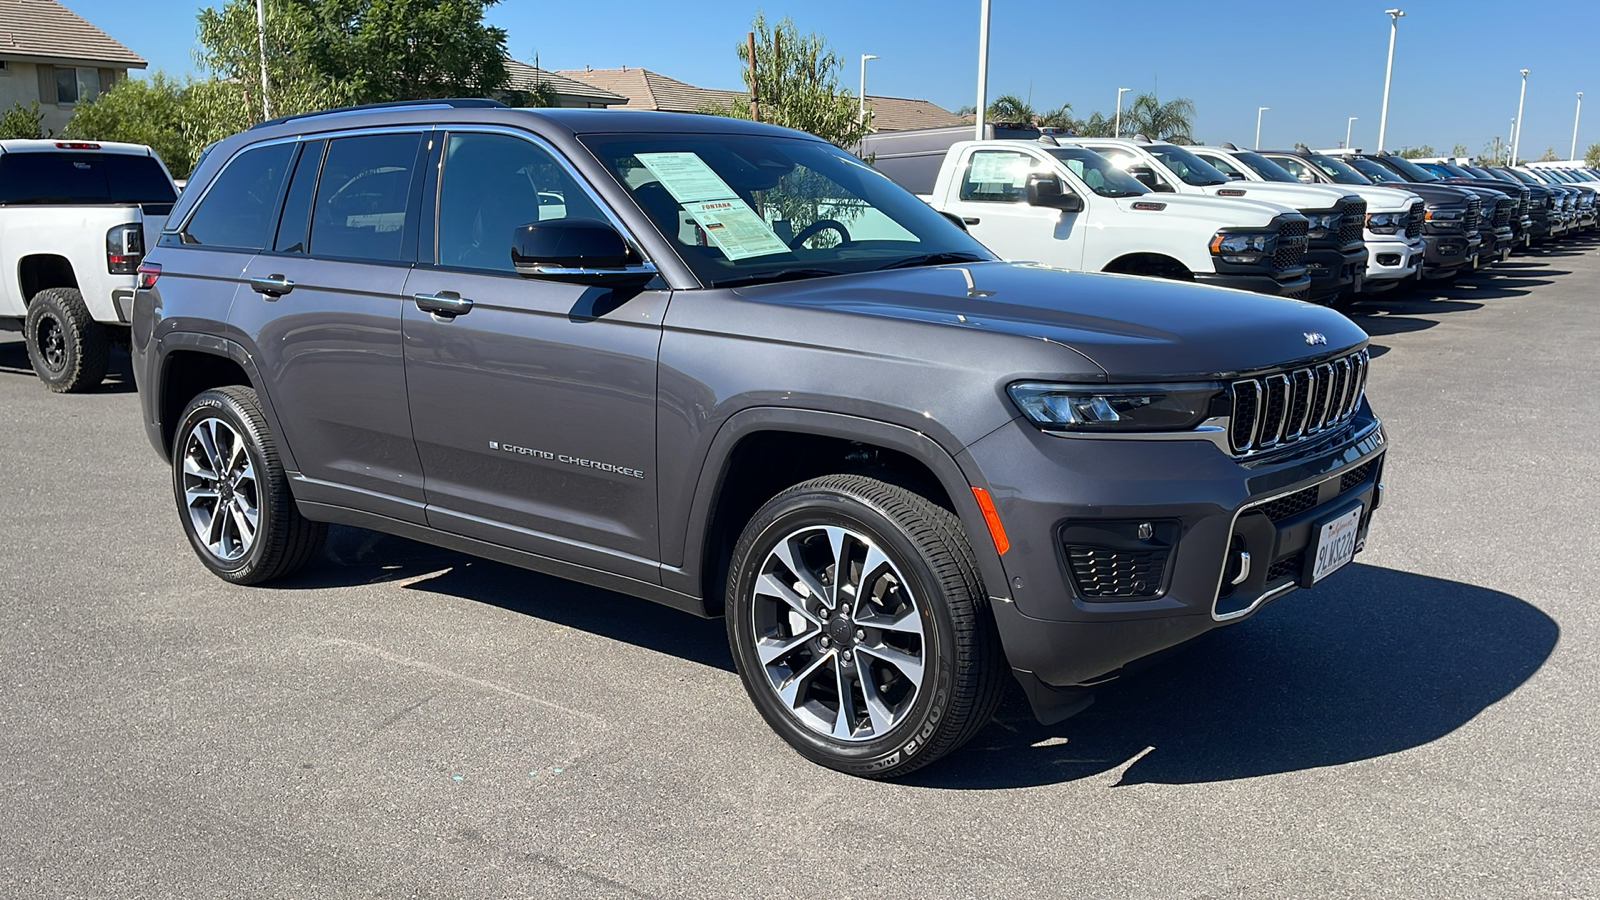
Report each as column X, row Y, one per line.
column 1146, row 262
column 192, row 363
column 42, row 271
column 760, row 451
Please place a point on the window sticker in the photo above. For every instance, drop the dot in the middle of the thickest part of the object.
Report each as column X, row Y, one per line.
column 736, row 230
column 999, row 168
column 686, row 177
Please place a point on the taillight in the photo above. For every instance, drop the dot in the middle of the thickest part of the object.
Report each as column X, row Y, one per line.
column 148, row 273
column 76, row 145
column 124, row 249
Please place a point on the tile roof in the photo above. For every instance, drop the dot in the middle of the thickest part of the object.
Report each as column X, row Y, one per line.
column 45, row 30
column 646, row 89
column 524, row 77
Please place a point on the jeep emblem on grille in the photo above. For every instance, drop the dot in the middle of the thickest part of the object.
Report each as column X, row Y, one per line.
column 1315, row 338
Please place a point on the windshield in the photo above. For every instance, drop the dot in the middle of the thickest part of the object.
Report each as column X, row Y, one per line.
column 1099, row 173
column 1458, row 171
column 1496, row 174
column 742, row 209
column 1523, row 177
column 1340, row 171
column 1411, row 170
column 1376, row 172
column 1192, row 169
column 1264, row 167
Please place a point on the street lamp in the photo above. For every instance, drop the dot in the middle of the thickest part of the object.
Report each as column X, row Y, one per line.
column 1120, row 92
column 1574, row 154
column 1347, row 130
column 1259, row 111
column 1516, row 139
column 1383, row 119
column 983, row 66
column 862, row 117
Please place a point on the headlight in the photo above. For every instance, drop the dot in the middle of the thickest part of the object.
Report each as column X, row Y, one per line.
column 1386, row 223
column 1243, row 247
column 1445, row 219
column 1321, row 223
column 1117, row 408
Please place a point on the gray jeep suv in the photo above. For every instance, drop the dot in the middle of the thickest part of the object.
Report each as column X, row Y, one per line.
column 730, row 368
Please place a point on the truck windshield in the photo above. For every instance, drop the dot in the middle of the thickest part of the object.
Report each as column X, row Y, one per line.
column 1375, row 172
column 1338, row 170
column 1099, row 173
column 746, row 209
column 1264, row 167
column 45, row 177
column 1411, row 170
column 1192, row 169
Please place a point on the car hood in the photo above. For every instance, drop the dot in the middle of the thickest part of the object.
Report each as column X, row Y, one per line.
column 1131, row 327
column 1380, row 199
column 1296, row 196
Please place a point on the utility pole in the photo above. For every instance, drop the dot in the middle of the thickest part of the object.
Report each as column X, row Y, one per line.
column 862, row 116
column 1259, row 111
column 1347, row 127
column 755, row 108
column 261, row 43
column 1516, row 140
column 983, row 67
column 1574, row 154
column 1120, row 92
column 1383, row 119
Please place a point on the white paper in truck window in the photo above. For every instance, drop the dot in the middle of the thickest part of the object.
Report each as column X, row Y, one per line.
column 999, row 168
column 735, row 228
column 686, row 177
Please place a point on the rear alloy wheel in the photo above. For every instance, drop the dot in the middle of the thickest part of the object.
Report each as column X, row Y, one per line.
column 860, row 628
column 69, row 350
column 233, row 493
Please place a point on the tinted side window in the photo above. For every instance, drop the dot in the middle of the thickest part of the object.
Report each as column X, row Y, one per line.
column 1223, row 166
column 492, row 183
column 996, row 175
column 297, row 204
column 360, row 208
column 238, row 210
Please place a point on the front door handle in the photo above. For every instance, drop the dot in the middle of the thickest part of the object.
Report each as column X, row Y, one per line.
column 448, row 304
column 273, row 286
column 970, row 220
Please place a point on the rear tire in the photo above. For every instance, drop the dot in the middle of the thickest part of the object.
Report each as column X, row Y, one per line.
column 69, row 350
column 233, row 493
column 927, row 667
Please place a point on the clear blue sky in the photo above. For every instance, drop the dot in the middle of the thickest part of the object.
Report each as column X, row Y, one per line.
column 1314, row 64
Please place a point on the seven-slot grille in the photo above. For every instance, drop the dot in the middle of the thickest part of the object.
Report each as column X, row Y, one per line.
column 1474, row 214
column 1275, row 410
column 1414, row 222
column 1291, row 251
column 1352, row 221
column 1523, row 204
column 1502, row 213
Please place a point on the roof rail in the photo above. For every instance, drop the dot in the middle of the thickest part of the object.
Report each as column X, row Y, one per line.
column 443, row 103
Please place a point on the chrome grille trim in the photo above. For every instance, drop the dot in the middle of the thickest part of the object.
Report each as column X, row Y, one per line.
column 1284, row 407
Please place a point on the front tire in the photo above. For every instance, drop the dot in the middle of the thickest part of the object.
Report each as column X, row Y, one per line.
column 884, row 668
column 233, row 493
column 69, row 350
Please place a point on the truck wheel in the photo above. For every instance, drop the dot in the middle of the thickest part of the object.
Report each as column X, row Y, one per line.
column 233, row 494
column 69, row 350
column 860, row 627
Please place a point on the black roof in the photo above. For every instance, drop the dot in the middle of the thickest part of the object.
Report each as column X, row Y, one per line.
column 573, row 121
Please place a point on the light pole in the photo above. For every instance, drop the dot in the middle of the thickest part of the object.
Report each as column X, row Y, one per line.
column 1510, row 160
column 983, row 66
column 261, row 42
column 1259, row 111
column 1574, row 154
column 1383, row 119
column 1516, row 139
column 863, row 114
column 1347, row 127
column 1120, row 92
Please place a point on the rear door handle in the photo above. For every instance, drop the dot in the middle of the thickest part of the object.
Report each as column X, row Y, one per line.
column 970, row 220
column 445, row 303
column 273, row 286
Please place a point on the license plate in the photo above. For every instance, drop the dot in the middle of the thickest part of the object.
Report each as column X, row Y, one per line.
column 1336, row 544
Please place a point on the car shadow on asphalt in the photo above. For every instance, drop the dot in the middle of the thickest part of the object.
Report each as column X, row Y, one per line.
column 1374, row 663
column 14, row 361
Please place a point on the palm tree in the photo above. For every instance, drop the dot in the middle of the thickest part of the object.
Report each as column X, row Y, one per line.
column 1060, row 117
column 1170, row 121
column 1097, row 125
column 1011, row 108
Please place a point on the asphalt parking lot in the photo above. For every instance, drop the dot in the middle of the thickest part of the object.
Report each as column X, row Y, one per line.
column 400, row 721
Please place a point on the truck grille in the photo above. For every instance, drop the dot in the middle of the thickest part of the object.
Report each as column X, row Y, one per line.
column 1100, row 573
column 1280, row 408
column 1352, row 221
column 1291, row 250
column 1502, row 213
column 1414, row 223
column 1474, row 216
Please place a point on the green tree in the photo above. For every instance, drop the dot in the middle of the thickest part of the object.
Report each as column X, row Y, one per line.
column 1011, row 108
column 1458, row 150
column 1549, row 155
column 22, row 122
column 967, row 110
column 1424, row 151
column 797, row 84
column 1591, row 156
column 227, row 48
column 153, row 111
column 383, row 50
column 1170, row 121
column 1098, row 125
column 1060, row 117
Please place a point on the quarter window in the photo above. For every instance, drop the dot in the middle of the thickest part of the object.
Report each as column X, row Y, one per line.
column 238, row 210
column 491, row 185
column 360, row 208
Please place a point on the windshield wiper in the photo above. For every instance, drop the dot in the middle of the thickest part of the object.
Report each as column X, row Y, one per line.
column 774, row 276
column 932, row 259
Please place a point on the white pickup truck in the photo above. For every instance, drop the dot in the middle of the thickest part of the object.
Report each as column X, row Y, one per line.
column 75, row 217
column 1394, row 216
column 1051, row 201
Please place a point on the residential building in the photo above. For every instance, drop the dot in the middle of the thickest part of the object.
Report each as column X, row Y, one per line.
column 50, row 54
column 570, row 92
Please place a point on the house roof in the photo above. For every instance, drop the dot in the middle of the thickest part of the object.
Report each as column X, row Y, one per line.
column 523, row 77
column 652, row 90
column 46, row 31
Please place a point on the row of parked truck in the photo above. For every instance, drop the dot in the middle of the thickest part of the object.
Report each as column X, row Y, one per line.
column 1329, row 226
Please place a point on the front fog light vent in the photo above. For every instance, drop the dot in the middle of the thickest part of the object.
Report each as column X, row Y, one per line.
column 1118, row 560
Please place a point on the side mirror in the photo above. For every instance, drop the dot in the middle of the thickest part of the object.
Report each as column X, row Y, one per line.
column 577, row 251
column 1235, row 176
column 1045, row 190
column 954, row 219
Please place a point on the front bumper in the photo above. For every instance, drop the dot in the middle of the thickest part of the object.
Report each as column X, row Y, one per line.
column 1334, row 270
column 1448, row 254
column 1390, row 261
column 1056, row 489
